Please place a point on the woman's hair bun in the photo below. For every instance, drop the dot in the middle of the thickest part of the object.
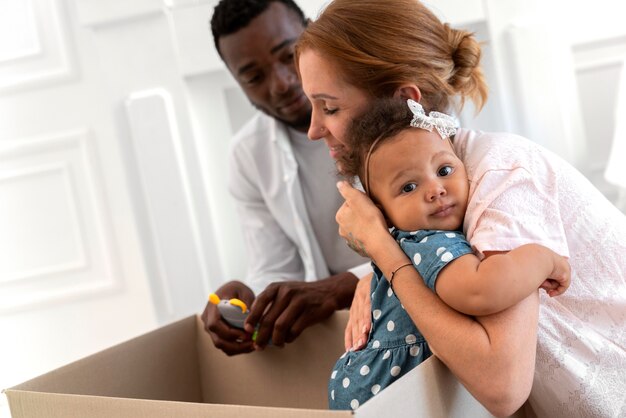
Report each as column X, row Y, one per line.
column 467, row 77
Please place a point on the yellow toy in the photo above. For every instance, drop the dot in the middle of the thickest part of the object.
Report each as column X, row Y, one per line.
column 233, row 311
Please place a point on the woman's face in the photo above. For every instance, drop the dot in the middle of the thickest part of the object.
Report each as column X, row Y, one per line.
column 334, row 102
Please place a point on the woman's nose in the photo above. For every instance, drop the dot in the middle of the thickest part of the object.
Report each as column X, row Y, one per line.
column 316, row 129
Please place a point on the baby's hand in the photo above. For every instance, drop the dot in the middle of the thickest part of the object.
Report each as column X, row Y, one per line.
column 559, row 280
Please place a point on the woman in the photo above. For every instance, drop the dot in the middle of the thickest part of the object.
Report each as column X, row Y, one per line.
column 360, row 50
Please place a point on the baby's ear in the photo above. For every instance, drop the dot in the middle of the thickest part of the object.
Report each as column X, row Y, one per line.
column 380, row 207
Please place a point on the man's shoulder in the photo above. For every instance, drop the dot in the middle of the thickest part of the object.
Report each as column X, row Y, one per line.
column 253, row 151
column 260, row 128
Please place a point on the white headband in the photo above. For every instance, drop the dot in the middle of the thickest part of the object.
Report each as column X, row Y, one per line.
column 444, row 124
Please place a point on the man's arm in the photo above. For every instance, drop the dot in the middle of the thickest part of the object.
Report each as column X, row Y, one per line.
column 288, row 304
column 270, row 253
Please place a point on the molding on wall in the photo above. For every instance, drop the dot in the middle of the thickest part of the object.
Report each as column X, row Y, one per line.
column 95, row 268
column 79, row 261
column 193, row 41
column 97, row 13
column 48, row 62
column 545, row 93
column 607, row 42
column 598, row 64
column 174, row 4
column 598, row 58
column 29, row 35
column 599, row 54
column 174, row 250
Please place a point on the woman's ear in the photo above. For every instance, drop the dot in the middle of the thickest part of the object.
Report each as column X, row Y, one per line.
column 408, row 91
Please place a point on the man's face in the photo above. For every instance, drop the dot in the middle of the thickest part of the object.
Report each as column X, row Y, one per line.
column 260, row 57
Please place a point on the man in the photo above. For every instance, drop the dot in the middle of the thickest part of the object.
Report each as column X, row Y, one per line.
column 283, row 184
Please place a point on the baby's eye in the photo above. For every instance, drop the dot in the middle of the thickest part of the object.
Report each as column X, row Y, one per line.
column 445, row 171
column 409, row 187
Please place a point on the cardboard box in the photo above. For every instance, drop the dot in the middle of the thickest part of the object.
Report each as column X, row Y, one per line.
column 175, row 371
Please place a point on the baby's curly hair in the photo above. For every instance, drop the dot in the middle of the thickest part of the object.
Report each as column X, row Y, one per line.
column 384, row 119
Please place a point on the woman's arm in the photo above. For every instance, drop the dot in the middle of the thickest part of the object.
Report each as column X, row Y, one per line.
column 499, row 282
column 360, row 321
column 493, row 356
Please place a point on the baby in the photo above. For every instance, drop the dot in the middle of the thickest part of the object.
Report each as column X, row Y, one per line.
column 408, row 167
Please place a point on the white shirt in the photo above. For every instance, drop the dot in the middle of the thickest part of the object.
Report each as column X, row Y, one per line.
column 322, row 200
column 277, row 231
column 521, row 193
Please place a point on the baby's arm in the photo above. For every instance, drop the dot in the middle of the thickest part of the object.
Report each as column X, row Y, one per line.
column 502, row 280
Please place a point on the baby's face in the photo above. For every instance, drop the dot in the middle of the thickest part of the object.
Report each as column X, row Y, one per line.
column 419, row 181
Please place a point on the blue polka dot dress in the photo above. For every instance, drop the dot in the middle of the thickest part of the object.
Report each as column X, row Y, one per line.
column 395, row 345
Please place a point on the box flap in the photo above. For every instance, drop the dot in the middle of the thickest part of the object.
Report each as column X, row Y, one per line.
column 178, row 363
column 430, row 390
column 162, row 365
column 295, row 376
column 50, row 405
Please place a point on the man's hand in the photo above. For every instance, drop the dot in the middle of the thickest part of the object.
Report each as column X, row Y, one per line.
column 284, row 309
column 228, row 339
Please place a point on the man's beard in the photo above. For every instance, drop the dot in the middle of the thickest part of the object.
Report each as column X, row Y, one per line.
column 301, row 124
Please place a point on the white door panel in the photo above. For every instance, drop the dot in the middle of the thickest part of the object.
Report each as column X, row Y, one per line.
column 35, row 48
column 51, row 194
column 72, row 273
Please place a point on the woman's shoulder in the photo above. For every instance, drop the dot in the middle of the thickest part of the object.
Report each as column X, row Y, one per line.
column 469, row 139
column 499, row 151
column 496, row 150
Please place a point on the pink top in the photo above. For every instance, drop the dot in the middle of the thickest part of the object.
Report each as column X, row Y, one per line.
column 521, row 193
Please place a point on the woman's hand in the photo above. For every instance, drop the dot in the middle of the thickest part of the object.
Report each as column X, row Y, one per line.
column 360, row 322
column 361, row 223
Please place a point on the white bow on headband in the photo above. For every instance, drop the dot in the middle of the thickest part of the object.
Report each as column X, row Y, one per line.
column 445, row 124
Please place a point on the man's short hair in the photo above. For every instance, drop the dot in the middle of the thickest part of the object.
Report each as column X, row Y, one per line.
column 229, row 16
